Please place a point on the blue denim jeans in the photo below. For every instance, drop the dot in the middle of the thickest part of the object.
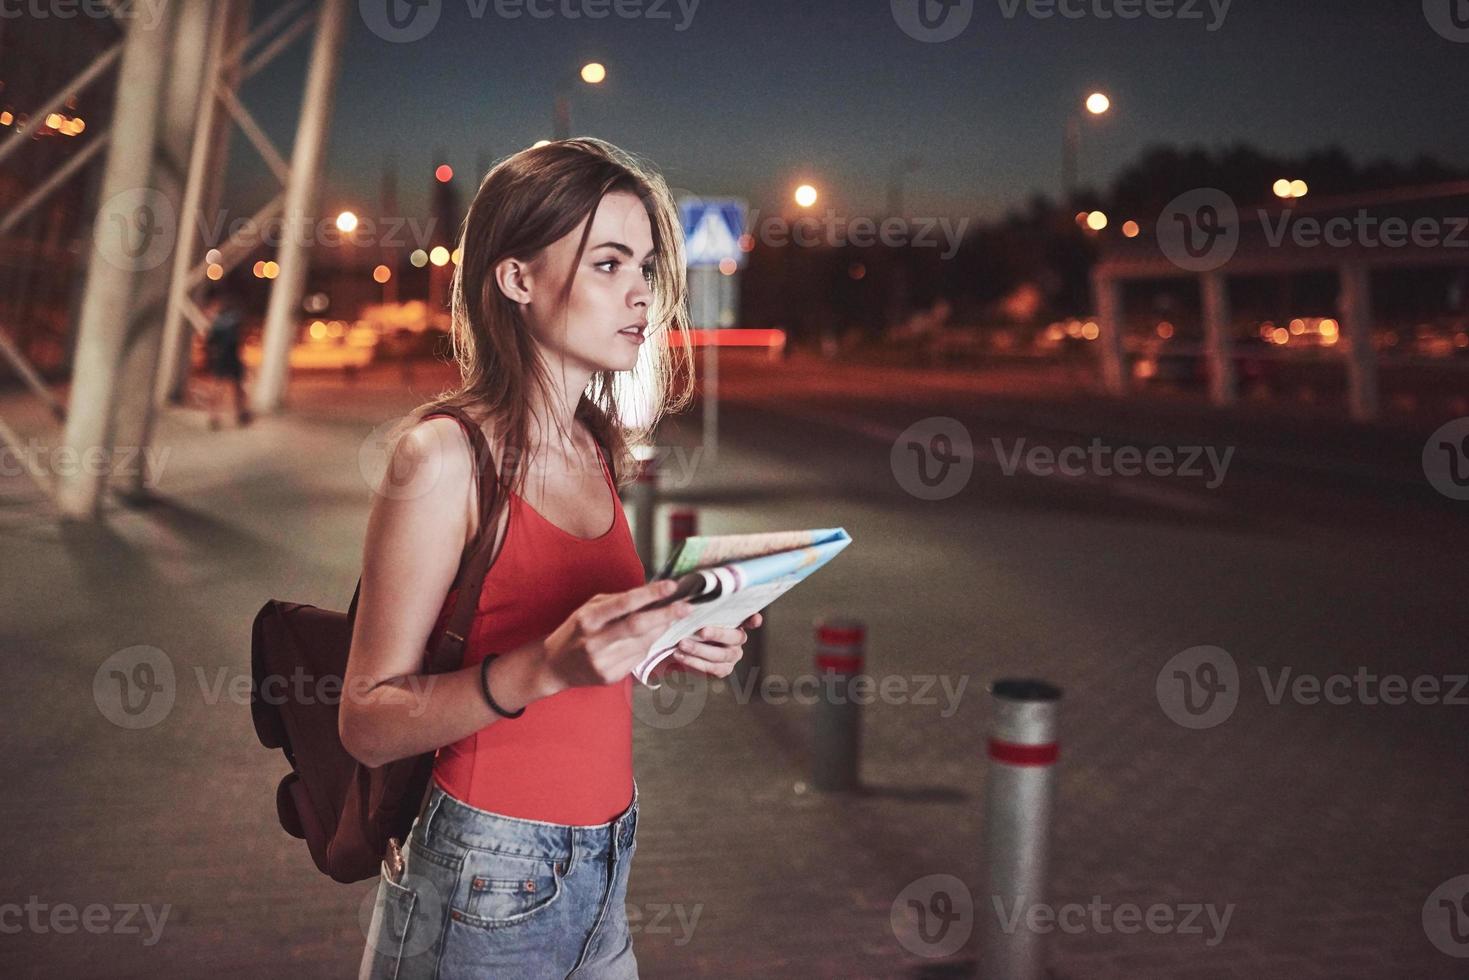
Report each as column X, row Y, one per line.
column 486, row 895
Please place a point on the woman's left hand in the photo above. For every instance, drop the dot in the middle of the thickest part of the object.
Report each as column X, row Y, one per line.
column 714, row 650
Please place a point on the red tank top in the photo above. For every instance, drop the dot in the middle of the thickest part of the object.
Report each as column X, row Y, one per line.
column 568, row 759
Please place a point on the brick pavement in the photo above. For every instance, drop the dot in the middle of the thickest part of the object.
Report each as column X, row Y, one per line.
column 1325, row 827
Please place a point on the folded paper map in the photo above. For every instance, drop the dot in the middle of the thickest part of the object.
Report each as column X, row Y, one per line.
column 729, row 577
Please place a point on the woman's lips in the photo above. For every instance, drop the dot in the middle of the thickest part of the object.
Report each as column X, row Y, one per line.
column 636, row 334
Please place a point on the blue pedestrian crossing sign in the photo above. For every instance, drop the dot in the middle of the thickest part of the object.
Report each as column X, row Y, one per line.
column 712, row 228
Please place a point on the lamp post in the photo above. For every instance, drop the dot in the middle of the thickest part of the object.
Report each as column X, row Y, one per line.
column 592, row 73
column 1097, row 104
column 896, row 178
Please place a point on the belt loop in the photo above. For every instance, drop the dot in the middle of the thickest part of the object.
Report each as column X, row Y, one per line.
column 432, row 801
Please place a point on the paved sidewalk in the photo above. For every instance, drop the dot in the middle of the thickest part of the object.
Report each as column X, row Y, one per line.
column 1325, row 830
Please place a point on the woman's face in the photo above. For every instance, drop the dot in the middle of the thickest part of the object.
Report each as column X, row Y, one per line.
column 611, row 291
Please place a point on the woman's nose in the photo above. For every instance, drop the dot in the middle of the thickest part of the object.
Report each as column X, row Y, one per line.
column 641, row 295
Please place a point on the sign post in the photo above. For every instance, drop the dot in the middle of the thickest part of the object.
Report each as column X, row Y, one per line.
column 712, row 230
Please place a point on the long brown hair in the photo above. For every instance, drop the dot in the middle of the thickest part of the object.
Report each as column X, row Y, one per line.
column 525, row 203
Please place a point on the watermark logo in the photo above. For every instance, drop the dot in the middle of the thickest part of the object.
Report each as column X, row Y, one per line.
column 1446, row 459
column 397, row 474
column 1199, row 687
column 400, row 21
column 677, row 701
column 135, row 688
column 933, row 916
column 933, row 458
column 935, row 21
column 683, row 694
column 932, row 21
column 1446, row 917
column 385, row 913
column 1450, row 18
column 1199, row 230
column 136, row 229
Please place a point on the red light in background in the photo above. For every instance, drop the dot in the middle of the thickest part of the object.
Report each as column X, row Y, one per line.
column 732, row 337
column 444, row 173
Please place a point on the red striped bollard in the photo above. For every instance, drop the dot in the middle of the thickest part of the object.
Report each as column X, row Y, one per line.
column 644, row 499
column 1019, row 793
column 838, row 718
column 683, row 522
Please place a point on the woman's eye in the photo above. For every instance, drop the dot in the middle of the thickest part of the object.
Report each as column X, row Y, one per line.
column 649, row 273
column 611, row 262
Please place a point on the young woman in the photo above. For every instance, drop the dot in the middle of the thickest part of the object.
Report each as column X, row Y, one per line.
column 517, row 866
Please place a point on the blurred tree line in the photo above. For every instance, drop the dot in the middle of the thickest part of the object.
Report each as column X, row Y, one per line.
column 1032, row 264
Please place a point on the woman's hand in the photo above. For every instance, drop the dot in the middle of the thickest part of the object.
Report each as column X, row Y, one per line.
column 605, row 638
column 715, row 650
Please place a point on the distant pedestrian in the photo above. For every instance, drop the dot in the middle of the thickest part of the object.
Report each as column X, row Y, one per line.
column 222, row 356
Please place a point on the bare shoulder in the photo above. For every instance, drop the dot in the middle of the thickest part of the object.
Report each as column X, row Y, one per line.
column 439, row 450
column 430, row 460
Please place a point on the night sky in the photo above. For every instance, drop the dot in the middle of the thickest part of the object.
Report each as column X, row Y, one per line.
column 757, row 95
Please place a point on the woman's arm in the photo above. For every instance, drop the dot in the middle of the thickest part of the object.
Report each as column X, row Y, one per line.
column 415, row 535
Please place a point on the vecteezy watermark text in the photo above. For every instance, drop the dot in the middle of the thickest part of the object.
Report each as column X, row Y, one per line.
column 1201, row 686
column 834, row 230
column 39, row 917
column 66, row 461
column 404, row 21
column 148, row 13
column 658, row 915
column 137, row 688
column 1199, row 231
column 935, row 21
column 1126, row 918
column 1099, row 460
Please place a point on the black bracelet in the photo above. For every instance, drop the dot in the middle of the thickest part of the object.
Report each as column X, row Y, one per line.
column 484, row 688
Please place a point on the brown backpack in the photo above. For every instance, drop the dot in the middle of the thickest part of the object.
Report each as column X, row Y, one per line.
column 344, row 810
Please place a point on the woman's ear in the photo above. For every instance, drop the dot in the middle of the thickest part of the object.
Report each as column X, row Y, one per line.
column 513, row 277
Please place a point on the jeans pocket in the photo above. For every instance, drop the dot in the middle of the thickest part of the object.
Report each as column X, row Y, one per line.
column 387, row 931
column 506, row 889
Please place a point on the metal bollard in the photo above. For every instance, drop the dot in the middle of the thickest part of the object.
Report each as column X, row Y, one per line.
column 838, row 719
column 683, row 522
column 752, row 664
column 644, row 499
column 1019, row 793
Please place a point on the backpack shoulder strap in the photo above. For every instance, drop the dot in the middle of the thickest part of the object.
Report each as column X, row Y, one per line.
column 446, row 650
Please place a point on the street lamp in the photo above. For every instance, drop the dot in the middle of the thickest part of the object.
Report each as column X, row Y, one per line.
column 1097, row 104
column 1288, row 190
column 592, row 73
column 896, row 176
column 805, row 195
